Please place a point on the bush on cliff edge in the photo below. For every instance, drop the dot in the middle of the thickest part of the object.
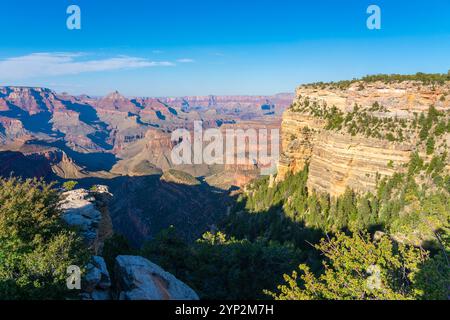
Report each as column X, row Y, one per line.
column 35, row 246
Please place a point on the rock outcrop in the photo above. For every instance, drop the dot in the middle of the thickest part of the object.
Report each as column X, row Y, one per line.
column 336, row 161
column 139, row 279
column 135, row 278
column 400, row 98
column 87, row 211
column 338, row 158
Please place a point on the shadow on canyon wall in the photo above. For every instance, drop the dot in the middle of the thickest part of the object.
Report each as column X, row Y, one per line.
column 89, row 116
column 93, row 161
column 143, row 206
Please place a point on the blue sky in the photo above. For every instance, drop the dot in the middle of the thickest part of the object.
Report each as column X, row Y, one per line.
column 196, row 47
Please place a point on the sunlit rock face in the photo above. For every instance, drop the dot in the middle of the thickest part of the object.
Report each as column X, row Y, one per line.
column 139, row 279
column 121, row 135
column 338, row 159
column 87, row 211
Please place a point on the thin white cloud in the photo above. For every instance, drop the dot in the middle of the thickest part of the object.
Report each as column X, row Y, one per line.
column 186, row 60
column 58, row 64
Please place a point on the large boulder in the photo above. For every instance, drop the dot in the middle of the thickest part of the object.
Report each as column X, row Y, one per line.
column 139, row 279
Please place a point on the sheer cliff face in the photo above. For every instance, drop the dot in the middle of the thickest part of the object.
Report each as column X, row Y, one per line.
column 400, row 98
column 340, row 157
column 336, row 160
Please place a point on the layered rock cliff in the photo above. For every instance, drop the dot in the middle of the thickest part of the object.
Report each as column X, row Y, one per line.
column 352, row 136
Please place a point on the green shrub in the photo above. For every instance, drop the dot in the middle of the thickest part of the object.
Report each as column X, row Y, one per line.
column 35, row 246
column 69, row 185
column 357, row 268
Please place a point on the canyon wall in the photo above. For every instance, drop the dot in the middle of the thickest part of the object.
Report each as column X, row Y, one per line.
column 339, row 159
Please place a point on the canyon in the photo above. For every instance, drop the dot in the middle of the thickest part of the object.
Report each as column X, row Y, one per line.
column 349, row 135
column 125, row 143
column 115, row 135
column 364, row 156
